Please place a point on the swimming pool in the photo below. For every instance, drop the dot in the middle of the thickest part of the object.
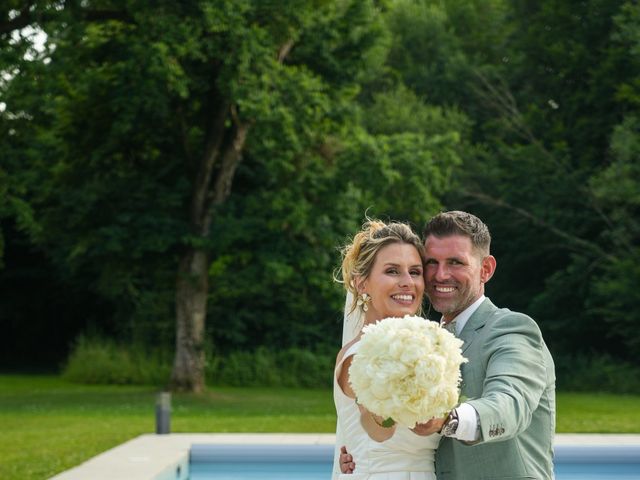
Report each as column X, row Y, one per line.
column 264, row 462
column 313, row 462
column 166, row 457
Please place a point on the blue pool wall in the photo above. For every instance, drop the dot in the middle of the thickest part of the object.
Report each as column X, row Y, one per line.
column 207, row 453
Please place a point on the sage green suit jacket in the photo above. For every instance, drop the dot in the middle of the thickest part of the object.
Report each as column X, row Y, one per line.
column 510, row 381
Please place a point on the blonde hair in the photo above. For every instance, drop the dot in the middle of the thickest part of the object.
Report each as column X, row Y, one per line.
column 359, row 256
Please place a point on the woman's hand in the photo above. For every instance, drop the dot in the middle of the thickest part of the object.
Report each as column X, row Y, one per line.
column 372, row 424
column 432, row 426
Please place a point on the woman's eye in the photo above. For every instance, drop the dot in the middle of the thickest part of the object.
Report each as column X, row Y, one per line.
column 392, row 271
column 416, row 273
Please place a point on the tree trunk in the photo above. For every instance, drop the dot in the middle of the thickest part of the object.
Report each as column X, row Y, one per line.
column 212, row 185
column 193, row 276
column 191, row 309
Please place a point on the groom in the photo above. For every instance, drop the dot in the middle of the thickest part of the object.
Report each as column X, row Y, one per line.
column 505, row 429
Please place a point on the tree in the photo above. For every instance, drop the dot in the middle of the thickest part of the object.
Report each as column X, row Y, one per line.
column 550, row 93
column 550, row 127
column 218, row 139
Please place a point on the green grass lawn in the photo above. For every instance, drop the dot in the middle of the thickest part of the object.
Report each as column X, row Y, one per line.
column 48, row 425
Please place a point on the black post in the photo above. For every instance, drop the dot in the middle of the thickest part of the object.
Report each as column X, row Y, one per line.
column 163, row 413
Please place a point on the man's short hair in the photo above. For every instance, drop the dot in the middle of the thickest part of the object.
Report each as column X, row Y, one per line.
column 457, row 222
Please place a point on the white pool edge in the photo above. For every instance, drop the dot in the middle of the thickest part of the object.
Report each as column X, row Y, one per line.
column 158, row 457
column 166, row 457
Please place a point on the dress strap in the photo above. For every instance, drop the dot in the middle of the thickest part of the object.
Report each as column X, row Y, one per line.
column 352, row 350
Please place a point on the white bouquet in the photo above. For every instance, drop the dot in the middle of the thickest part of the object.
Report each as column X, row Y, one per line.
column 407, row 369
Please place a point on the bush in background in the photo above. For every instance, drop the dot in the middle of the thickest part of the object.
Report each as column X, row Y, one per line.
column 96, row 360
column 293, row 367
column 101, row 361
column 602, row 373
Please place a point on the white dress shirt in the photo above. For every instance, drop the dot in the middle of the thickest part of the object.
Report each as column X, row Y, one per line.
column 468, row 422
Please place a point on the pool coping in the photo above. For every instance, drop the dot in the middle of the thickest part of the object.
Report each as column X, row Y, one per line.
column 166, row 457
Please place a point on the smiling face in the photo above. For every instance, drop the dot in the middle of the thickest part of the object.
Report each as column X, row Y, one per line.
column 455, row 273
column 395, row 284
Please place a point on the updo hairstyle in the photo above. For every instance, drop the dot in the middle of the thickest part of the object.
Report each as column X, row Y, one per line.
column 359, row 256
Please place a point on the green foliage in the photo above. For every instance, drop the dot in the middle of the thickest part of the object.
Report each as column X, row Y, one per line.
column 617, row 191
column 596, row 373
column 551, row 97
column 101, row 361
column 292, row 367
column 523, row 112
column 97, row 360
column 110, row 154
column 400, row 111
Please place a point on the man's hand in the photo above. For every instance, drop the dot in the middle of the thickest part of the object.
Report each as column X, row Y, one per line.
column 346, row 461
column 432, row 426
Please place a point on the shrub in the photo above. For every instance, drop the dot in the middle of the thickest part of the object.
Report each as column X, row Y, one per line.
column 602, row 373
column 96, row 360
column 292, row 367
column 305, row 368
column 101, row 361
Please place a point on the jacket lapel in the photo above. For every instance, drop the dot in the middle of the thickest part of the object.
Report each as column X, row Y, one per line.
column 476, row 322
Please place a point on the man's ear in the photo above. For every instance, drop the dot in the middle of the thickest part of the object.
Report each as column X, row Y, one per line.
column 487, row 268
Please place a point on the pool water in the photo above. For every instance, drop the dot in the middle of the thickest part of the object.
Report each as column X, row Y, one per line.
column 601, row 471
column 597, row 462
column 265, row 462
column 260, row 470
column 313, row 462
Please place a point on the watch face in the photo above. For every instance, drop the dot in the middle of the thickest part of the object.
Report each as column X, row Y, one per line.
column 450, row 428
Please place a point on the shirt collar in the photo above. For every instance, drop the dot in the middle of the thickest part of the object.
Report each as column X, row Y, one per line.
column 463, row 317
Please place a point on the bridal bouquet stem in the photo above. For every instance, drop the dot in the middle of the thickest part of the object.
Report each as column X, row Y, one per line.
column 407, row 369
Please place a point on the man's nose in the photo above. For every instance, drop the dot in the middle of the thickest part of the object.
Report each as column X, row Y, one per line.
column 441, row 272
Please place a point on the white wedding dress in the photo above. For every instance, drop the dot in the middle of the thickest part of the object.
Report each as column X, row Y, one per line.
column 404, row 456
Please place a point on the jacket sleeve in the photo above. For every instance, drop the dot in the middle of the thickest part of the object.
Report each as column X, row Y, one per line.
column 515, row 380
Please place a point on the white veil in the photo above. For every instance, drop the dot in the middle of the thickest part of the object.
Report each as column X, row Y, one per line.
column 351, row 322
column 351, row 325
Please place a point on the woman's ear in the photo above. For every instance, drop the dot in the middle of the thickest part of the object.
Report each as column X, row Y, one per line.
column 360, row 284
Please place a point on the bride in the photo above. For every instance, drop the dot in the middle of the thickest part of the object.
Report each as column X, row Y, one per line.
column 382, row 272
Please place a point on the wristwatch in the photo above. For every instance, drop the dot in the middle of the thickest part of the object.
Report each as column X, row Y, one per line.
column 451, row 424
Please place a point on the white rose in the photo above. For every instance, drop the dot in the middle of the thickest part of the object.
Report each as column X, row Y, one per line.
column 407, row 369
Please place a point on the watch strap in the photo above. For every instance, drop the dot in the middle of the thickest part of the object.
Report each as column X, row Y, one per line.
column 451, row 424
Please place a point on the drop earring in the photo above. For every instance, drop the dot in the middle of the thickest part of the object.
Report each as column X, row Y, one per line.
column 363, row 301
